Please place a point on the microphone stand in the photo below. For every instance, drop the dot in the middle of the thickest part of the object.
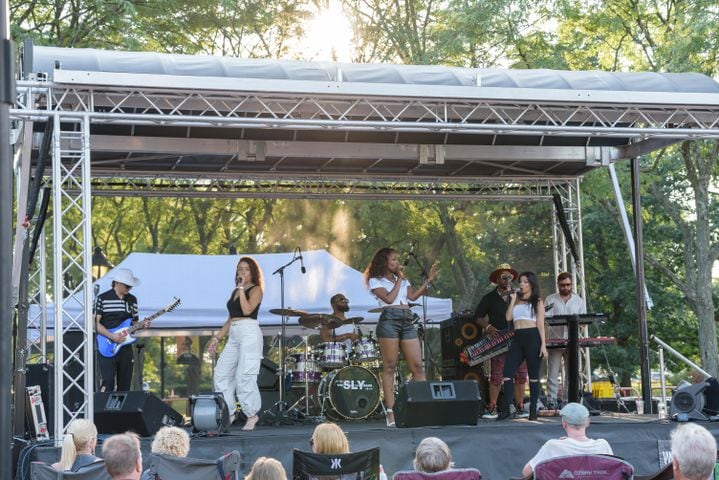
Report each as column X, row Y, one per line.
column 427, row 360
column 279, row 410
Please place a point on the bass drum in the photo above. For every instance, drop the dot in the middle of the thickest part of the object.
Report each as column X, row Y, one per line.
column 350, row 393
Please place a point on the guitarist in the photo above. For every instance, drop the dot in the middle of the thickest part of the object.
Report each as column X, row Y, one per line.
column 111, row 309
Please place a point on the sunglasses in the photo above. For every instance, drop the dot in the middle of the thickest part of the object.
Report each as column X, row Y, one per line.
column 506, row 276
column 565, row 284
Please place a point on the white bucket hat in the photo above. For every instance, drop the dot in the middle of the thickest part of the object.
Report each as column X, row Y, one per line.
column 124, row 275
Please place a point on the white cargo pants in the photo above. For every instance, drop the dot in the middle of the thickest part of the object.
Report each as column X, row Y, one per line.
column 238, row 366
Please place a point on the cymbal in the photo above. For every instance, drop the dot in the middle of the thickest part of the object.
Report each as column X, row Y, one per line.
column 353, row 320
column 290, row 312
column 314, row 320
column 381, row 309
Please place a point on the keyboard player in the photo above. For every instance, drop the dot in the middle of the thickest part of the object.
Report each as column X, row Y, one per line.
column 564, row 302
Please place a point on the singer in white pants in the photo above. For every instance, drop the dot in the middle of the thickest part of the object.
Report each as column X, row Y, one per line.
column 239, row 364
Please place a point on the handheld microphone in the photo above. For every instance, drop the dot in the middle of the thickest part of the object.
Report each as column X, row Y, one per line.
column 409, row 255
column 302, row 263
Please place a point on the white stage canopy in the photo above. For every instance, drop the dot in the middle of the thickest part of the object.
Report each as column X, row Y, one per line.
column 204, row 283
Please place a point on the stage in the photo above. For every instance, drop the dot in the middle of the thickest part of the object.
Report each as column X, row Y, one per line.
column 498, row 449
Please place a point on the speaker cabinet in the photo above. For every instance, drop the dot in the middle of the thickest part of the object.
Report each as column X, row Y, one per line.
column 456, row 333
column 688, row 402
column 140, row 412
column 268, row 380
column 422, row 404
column 41, row 374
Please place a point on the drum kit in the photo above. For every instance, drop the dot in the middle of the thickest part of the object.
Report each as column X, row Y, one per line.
column 339, row 379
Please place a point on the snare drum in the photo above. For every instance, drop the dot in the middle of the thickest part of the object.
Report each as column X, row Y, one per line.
column 304, row 367
column 365, row 350
column 332, row 354
column 352, row 392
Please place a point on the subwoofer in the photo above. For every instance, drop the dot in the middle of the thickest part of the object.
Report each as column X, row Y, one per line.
column 140, row 412
column 439, row 403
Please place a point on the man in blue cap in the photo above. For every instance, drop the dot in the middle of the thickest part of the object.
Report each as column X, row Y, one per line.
column 575, row 420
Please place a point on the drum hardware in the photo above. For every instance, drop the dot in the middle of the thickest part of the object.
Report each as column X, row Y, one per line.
column 305, row 369
column 279, row 410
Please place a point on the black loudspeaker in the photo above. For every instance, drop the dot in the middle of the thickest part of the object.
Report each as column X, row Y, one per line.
column 688, row 402
column 456, row 333
column 422, row 404
column 140, row 412
column 42, row 374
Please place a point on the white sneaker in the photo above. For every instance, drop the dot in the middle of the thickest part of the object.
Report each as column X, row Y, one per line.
column 490, row 414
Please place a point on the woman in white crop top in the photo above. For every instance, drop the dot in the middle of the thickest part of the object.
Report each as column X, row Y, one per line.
column 526, row 312
column 395, row 330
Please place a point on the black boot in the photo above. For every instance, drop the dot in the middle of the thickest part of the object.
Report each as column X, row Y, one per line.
column 508, row 393
column 533, row 398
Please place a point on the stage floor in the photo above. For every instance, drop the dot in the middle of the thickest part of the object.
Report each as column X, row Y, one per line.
column 498, row 449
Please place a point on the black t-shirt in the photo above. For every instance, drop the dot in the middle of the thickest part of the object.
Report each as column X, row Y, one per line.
column 493, row 305
column 115, row 310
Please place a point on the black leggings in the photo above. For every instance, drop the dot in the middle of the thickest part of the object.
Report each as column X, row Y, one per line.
column 526, row 345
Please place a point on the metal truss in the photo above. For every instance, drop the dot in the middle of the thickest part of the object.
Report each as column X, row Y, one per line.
column 589, row 116
column 37, row 313
column 328, row 187
column 72, row 259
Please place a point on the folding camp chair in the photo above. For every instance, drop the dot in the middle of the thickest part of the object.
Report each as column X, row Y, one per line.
column 452, row 474
column 94, row 471
column 348, row 466
column 584, row 467
column 166, row 467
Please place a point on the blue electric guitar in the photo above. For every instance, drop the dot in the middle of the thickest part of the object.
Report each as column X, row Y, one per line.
column 109, row 349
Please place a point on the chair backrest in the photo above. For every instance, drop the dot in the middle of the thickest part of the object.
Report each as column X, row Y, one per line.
column 94, row 471
column 43, row 471
column 584, row 467
column 166, row 467
column 348, row 466
column 452, row 474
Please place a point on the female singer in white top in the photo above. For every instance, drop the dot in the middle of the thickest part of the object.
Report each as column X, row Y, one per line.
column 385, row 279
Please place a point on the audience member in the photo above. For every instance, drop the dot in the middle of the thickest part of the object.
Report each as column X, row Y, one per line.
column 575, row 420
column 329, row 439
column 266, row 468
column 432, row 455
column 123, row 457
column 171, row 441
column 694, row 452
column 78, row 446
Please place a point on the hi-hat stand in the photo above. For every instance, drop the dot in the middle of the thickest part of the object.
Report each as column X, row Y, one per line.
column 279, row 412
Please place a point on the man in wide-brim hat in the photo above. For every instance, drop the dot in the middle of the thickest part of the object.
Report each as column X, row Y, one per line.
column 491, row 316
column 111, row 309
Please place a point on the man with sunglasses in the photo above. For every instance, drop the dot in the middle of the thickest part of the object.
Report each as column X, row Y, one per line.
column 564, row 302
column 491, row 316
column 344, row 333
column 111, row 309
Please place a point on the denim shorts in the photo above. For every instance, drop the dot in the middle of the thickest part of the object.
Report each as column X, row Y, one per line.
column 397, row 323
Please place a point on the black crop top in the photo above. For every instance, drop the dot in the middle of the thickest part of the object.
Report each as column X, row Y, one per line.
column 235, row 309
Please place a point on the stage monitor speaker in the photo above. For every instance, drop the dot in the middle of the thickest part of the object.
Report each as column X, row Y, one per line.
column 140, row 412
column 688, row 402
column 422, row 404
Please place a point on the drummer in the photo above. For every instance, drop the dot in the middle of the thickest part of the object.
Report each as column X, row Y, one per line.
column 344, row 333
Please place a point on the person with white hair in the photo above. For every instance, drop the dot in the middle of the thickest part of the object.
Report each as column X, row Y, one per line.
column 123, row 457
column 694, row 452
column 78, row 446
column 113, row 308
column 432, row 455
column 575, row 420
